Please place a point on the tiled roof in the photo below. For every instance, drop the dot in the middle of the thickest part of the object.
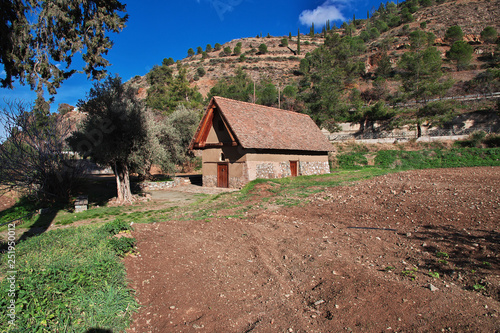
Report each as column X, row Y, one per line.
column 261, row 127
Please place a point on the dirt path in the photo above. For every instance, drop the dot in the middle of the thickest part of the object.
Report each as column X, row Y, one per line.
column 356, row 258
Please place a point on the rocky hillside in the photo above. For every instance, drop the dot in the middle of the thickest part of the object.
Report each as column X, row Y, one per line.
column 280, row 64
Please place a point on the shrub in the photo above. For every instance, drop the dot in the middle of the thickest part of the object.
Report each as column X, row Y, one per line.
column 453, row 34
column 284, row 42
column 489, row 35
column 474, row 140
column 116, row 226
column 262, row 48
column 200, row 71
column 352, row 160
column 121, row 245
column 492, row 140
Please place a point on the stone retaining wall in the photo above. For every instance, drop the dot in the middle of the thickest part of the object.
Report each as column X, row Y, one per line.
column 158, row 186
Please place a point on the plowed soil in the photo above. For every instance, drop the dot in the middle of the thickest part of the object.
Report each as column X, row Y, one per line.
column 415, row 251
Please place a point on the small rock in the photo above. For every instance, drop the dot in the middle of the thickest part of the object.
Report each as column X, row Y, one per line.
column 172, row 307
column 337, row 306
column 319, row 302
column 433, row 288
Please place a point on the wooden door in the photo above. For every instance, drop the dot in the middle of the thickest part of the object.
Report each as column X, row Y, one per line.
column 293, row 168
column 222, row 175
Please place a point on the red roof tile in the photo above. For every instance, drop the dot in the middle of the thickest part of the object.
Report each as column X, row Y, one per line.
column 261, row 127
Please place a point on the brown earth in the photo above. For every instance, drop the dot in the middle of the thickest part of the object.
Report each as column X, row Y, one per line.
column 354, row 258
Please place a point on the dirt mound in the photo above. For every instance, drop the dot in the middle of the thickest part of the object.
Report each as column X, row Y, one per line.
column 411, row 251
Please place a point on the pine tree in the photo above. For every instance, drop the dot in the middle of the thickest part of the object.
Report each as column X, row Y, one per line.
column 290, row 35
column 311, row 32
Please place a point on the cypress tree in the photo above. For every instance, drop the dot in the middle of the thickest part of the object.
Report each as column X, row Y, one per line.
column 298, row 42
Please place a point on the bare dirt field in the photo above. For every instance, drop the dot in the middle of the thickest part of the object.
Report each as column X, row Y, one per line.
column 416, row 251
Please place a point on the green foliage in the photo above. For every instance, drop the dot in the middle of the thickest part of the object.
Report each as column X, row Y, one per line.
column 267, row 93
column 23, row 207
column 478, row 287
column 437, row 158
column 489, row 35
column 70, row 280
column 332, row 68
column 441, row 254
column 406, row 15
column 217, row 47
column 64, row 108
column 167, row 92
column 208, row 48
column 384, row 68
column 475, row 140
column 190, row 52
column 284, row 42
column 199, row 50
column 419, row 39
column 422, row 70
column 304, row 65
column 438, row 113
column 238, row 87
column 453, row 34
column 226, row 52
column 43, row 37
column 121, row 245
column 119, row 119
column 262, row 48
column 201, row 71
column 115, row 227
column 298, row 41
column 381, row 26
column 492, row 141
column 378, row 112
column 352, row 160
column 237, row 50
column 461, row 52
column 423, row 25
column 434, row 275
column 167, row 62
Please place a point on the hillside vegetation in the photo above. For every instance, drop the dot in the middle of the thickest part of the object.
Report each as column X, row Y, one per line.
column 341, row 73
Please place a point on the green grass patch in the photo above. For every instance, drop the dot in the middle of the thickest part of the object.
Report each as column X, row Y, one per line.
column 68, row 280
column 438, row 158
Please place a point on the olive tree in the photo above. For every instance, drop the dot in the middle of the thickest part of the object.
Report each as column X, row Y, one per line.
column 120, row 132
column 114, row 128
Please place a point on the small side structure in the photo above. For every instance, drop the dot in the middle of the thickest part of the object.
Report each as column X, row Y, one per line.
column 244, row 141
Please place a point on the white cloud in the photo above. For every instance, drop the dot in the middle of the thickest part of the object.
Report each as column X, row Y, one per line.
column 224, row 6
column 329, row 10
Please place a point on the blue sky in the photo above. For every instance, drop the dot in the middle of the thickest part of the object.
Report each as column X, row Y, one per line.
column 159, row 29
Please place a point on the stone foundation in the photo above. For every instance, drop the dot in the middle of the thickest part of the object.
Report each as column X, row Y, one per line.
column 210, row 181
column 313, row 168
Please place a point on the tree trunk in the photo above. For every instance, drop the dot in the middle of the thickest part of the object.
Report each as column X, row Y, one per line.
column 123, row 182
column 419, row 130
